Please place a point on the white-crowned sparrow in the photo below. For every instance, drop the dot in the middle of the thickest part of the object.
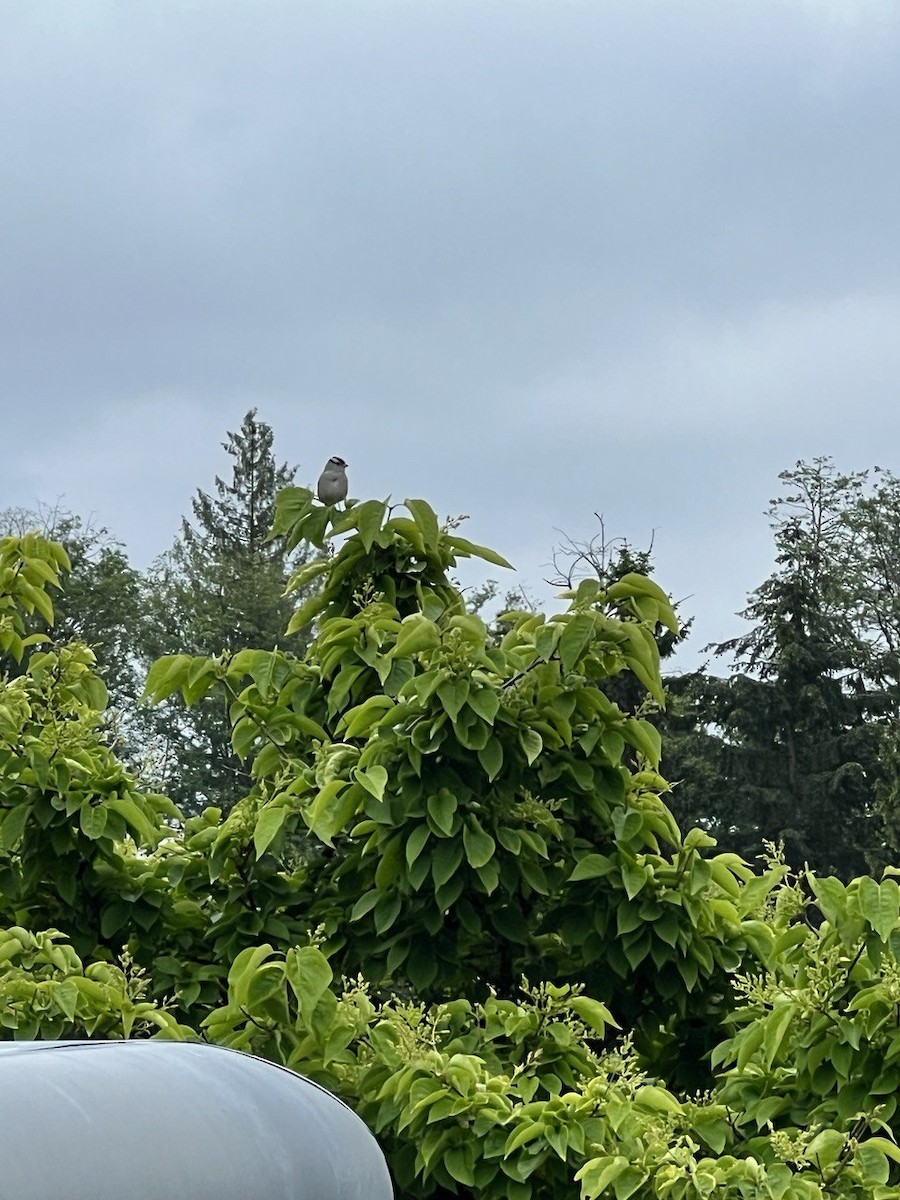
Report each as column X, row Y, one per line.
column 332, row 485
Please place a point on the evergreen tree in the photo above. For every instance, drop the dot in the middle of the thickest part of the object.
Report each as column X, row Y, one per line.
column 791, row 740
column 693, row 753
column 220, row 587
column 874, row 531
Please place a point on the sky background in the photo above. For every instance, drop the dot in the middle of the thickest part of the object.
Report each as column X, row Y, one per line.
column 529, row 261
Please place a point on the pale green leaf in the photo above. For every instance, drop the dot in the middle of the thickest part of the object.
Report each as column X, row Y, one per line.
column 268, row 825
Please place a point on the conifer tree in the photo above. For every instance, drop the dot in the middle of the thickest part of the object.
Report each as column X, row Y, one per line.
column 220, row 587
column 790, row 742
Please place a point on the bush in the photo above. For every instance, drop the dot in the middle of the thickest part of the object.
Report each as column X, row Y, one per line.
column 454, row 894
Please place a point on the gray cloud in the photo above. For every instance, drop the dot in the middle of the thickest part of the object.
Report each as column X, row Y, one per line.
column 527, row 259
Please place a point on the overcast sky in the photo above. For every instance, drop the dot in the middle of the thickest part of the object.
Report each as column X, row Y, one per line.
column 526, row 260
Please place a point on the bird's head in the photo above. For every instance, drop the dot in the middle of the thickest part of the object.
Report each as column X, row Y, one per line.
column 335, row 461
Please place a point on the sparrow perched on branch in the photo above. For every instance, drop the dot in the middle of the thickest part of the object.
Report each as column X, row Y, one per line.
column 332, row 485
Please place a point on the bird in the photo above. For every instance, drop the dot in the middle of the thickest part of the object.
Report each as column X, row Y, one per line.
column 332, row 485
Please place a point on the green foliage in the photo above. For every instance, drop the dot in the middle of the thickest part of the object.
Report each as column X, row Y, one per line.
column 28, row 565
column 101, row 606
column 67, row 805
column 475, row 791
column 46, row 993
column 454, row 894
column 790, row 747
column 220, row 588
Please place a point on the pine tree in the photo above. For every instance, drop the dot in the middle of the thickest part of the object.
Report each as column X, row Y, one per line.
column 220, row 587
column 693, row 753
column 791, row 740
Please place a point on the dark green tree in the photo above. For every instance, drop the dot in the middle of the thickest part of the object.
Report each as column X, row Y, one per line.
column 874, row 599
column 787, row 748
column 693, row 752
column 220, row 587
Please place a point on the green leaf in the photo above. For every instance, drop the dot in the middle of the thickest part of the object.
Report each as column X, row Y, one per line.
column 268, row 825
column 410, row 532
column 137, row 820
column 92, row 819
column 244, row 736
column 365, row 904
column 244, row 968
column 309, row 974
column 533, row 874
column 826, row 1147
column 447, row 856
column 597, row 1175
column 891, row 1149
column 388, row 870
column 645, row 739
column 369, row 519
column 269, row 671
column 657, row 1099
column 509, row 923
column 291, row 505
column 453, row 694
column 594, row 1014
column 872, row 1165
column 374, row 779
column 532, row 743
column 479, row 845
column 332, row 808
column 199, row 680
column 575, row 639
column 115, row 917
column 713, row 1129
column 643, row 660
column 167, row 675
column 38, row 599
column 44, row 571
column 426, row 519
column 485, row 702
column 441, row 807
column 315, row 525
column 416, row 634
column 14, row 826
column 634, row 878
column 547, row 638
column 360, row 721
column 306, row 574
column 65, row 995
column 776, row 1029
column 592, row 866
column 628, row 1182
column 459, row 1161
column 639, row 585
column 307, row 612
column 880, row 905
column 831, row 896
column 526, row 1132
column 96, row 693
column 415, row 843
column 491, row 758
column 471, row 550
column 586, row 592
